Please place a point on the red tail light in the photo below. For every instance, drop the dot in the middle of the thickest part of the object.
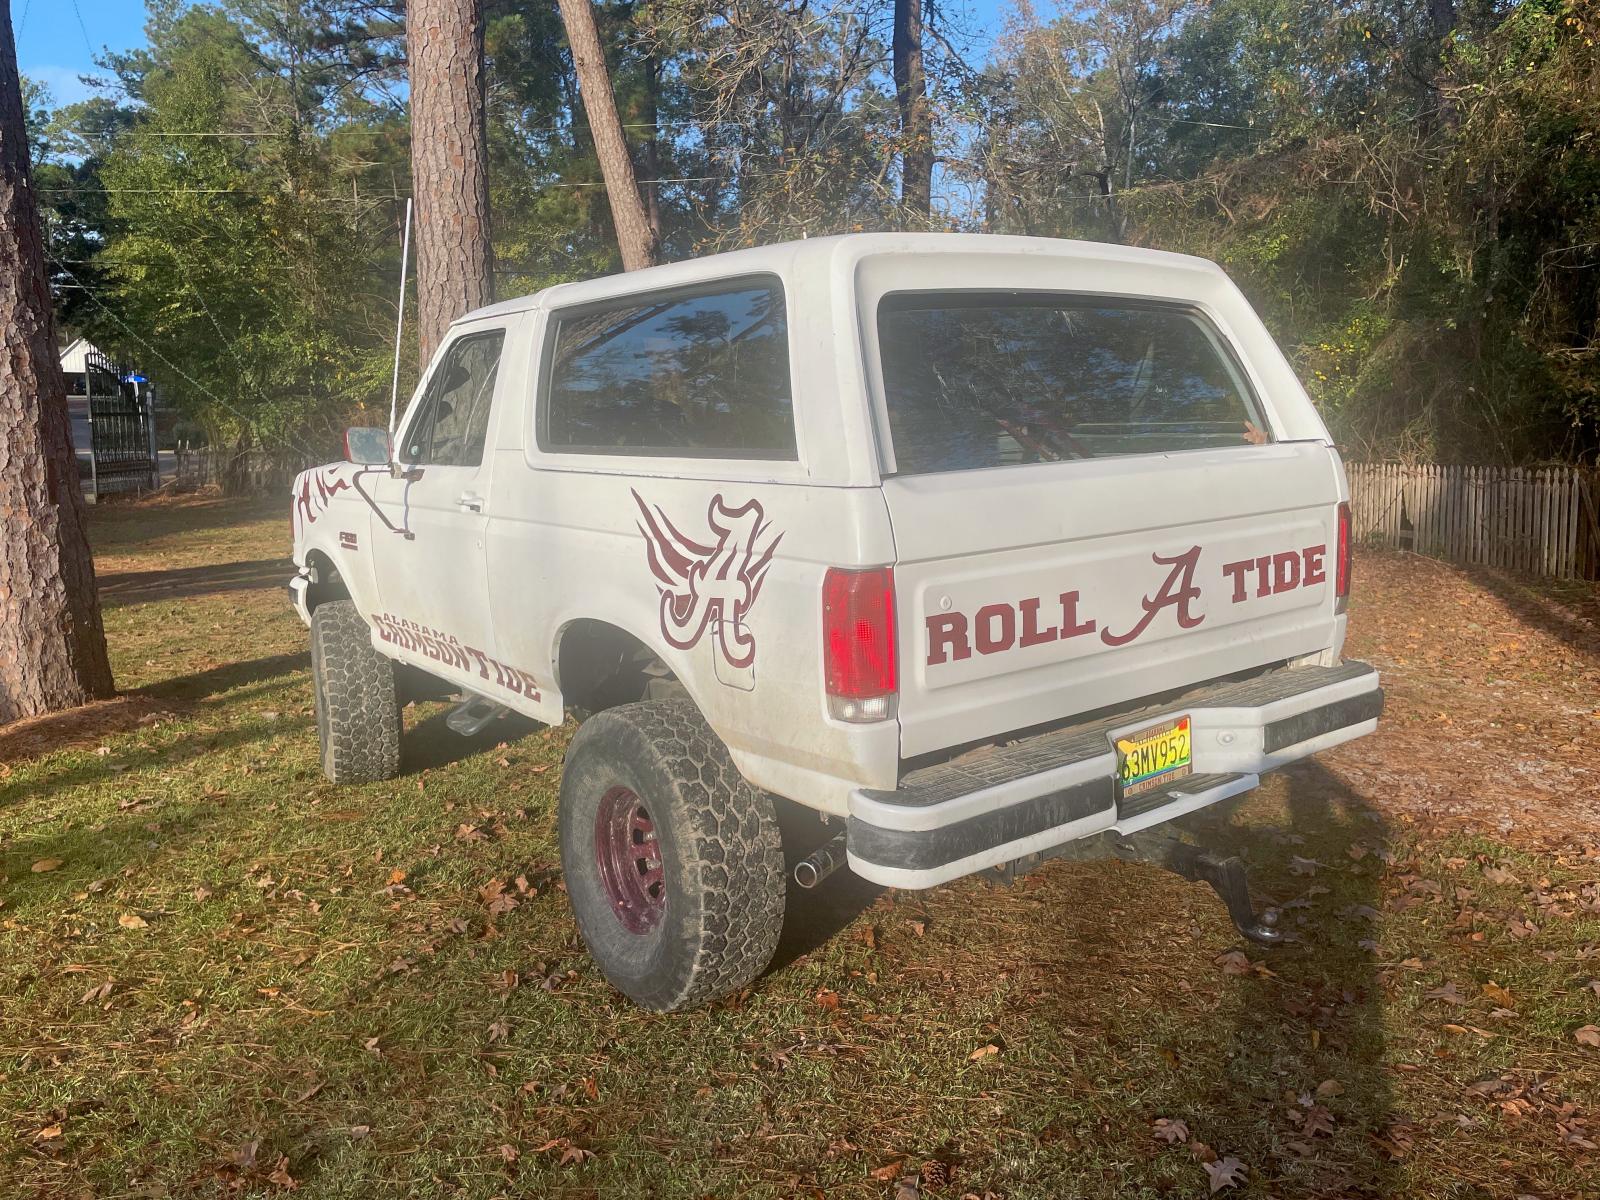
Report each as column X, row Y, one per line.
column 1341, row 569
column 858, row 643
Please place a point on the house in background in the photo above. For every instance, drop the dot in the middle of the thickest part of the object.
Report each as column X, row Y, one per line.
column 113, row 411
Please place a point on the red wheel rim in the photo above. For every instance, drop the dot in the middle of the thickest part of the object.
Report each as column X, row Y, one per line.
column 629, row 858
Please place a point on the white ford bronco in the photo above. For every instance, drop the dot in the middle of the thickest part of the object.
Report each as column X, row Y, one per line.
column 986, row 549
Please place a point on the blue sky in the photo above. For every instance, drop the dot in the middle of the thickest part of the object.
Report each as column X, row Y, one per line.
column 54, row 39
column 58, row 39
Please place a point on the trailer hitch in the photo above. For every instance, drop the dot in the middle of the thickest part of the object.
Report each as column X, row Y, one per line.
column 1225, row 874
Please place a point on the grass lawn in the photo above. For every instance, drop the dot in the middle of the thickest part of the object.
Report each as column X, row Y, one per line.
column 221, row 974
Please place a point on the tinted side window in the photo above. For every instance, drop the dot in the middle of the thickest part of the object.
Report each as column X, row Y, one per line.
column 453, row 421
column 703, row 374
column 978, row 380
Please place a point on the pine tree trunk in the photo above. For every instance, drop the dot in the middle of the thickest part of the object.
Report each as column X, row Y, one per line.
column 635, row 238
column 449, row 164
column 911, row 96
column 52, row 645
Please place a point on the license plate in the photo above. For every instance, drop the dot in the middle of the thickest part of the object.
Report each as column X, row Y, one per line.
column 1154, row 756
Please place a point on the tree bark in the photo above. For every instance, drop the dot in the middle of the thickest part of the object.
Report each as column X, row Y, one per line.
column 635, row 237
column 52, row 644
column 911, row 96
column 449, row 164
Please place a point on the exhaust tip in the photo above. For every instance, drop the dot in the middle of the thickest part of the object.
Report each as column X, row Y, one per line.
column 820, row 863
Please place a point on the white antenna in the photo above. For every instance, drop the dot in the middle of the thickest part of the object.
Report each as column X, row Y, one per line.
column 400, row 320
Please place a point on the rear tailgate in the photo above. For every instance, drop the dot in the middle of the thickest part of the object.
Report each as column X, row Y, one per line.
column 1036, row 592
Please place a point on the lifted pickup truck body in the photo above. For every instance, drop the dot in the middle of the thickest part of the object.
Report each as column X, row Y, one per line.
column 937, row 532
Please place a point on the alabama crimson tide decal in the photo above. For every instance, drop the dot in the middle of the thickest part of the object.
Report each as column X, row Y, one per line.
column 1005, row 625
column 715, row 583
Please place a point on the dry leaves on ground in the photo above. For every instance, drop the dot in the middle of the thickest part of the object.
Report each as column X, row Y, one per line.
column 1225, row 1173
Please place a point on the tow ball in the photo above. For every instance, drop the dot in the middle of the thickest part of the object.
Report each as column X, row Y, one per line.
column 1225, row 873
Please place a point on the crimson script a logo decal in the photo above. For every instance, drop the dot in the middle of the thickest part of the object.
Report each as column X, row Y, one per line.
column 704, row 585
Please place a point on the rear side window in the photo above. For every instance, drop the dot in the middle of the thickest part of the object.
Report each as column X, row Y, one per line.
column 978, row 380
column 694, row 374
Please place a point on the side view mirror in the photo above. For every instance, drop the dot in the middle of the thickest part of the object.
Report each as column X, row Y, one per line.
column 367, row 446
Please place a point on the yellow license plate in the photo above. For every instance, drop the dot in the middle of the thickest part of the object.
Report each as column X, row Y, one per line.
column 1155, row 756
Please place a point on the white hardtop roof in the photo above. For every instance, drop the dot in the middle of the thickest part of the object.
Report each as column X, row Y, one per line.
column 838, row 254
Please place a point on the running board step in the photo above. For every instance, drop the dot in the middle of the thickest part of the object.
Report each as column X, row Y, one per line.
column 473, row 715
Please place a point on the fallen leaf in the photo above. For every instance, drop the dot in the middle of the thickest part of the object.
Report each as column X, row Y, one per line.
column 1502, row 998
column 1589, row 1035
column 280, row 1175
column 132, row 921
column 1173, row 1132
column 1499, row 875
column 1234, row 962
column 983, row 1051
column 1318, row 1120
column 96, row 994
column 1449, row 993
column 1330, row 1087
column 1225, row 1173
column 499, row 1031
column 46, row 864
column 48, row 1134
column 889, row 1171
column 828, row 1000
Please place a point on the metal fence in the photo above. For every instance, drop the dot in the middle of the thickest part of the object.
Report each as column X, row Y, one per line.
column 1539, row 520
column 114, row 428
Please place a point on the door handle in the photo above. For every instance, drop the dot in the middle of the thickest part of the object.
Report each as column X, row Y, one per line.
column 470, row 502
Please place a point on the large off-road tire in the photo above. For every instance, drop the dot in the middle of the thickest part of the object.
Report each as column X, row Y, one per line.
column 358, row 708
column 673, row 863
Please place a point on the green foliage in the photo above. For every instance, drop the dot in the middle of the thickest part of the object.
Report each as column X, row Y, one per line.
column 1409, row 192
column 1412, row 201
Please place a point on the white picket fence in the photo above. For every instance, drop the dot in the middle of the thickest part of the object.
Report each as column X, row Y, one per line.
column 1538, row 520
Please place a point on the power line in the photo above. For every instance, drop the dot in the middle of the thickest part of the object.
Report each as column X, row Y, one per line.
column 587, row 183
column 123, row 325
column 83, row 29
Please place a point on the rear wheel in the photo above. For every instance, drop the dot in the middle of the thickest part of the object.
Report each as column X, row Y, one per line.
column 673, row 863
column 358, row 707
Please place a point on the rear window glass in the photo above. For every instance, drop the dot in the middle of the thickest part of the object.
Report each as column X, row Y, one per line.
column 702, row 374
column 979, row 380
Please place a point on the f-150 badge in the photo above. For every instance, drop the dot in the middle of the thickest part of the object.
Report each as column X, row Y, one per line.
column 710, row 586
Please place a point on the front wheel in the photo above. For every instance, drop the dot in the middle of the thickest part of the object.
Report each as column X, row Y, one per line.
column 673, row 863
column 358, row 708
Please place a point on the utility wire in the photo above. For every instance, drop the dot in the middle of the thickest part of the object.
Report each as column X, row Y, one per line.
column 202, row 388
column 83, row 29
column 587, row 183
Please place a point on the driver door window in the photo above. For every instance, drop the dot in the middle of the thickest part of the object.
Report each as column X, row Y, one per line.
column 452, row 422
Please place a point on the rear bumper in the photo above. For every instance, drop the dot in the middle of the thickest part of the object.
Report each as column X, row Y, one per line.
column 1039, row 792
